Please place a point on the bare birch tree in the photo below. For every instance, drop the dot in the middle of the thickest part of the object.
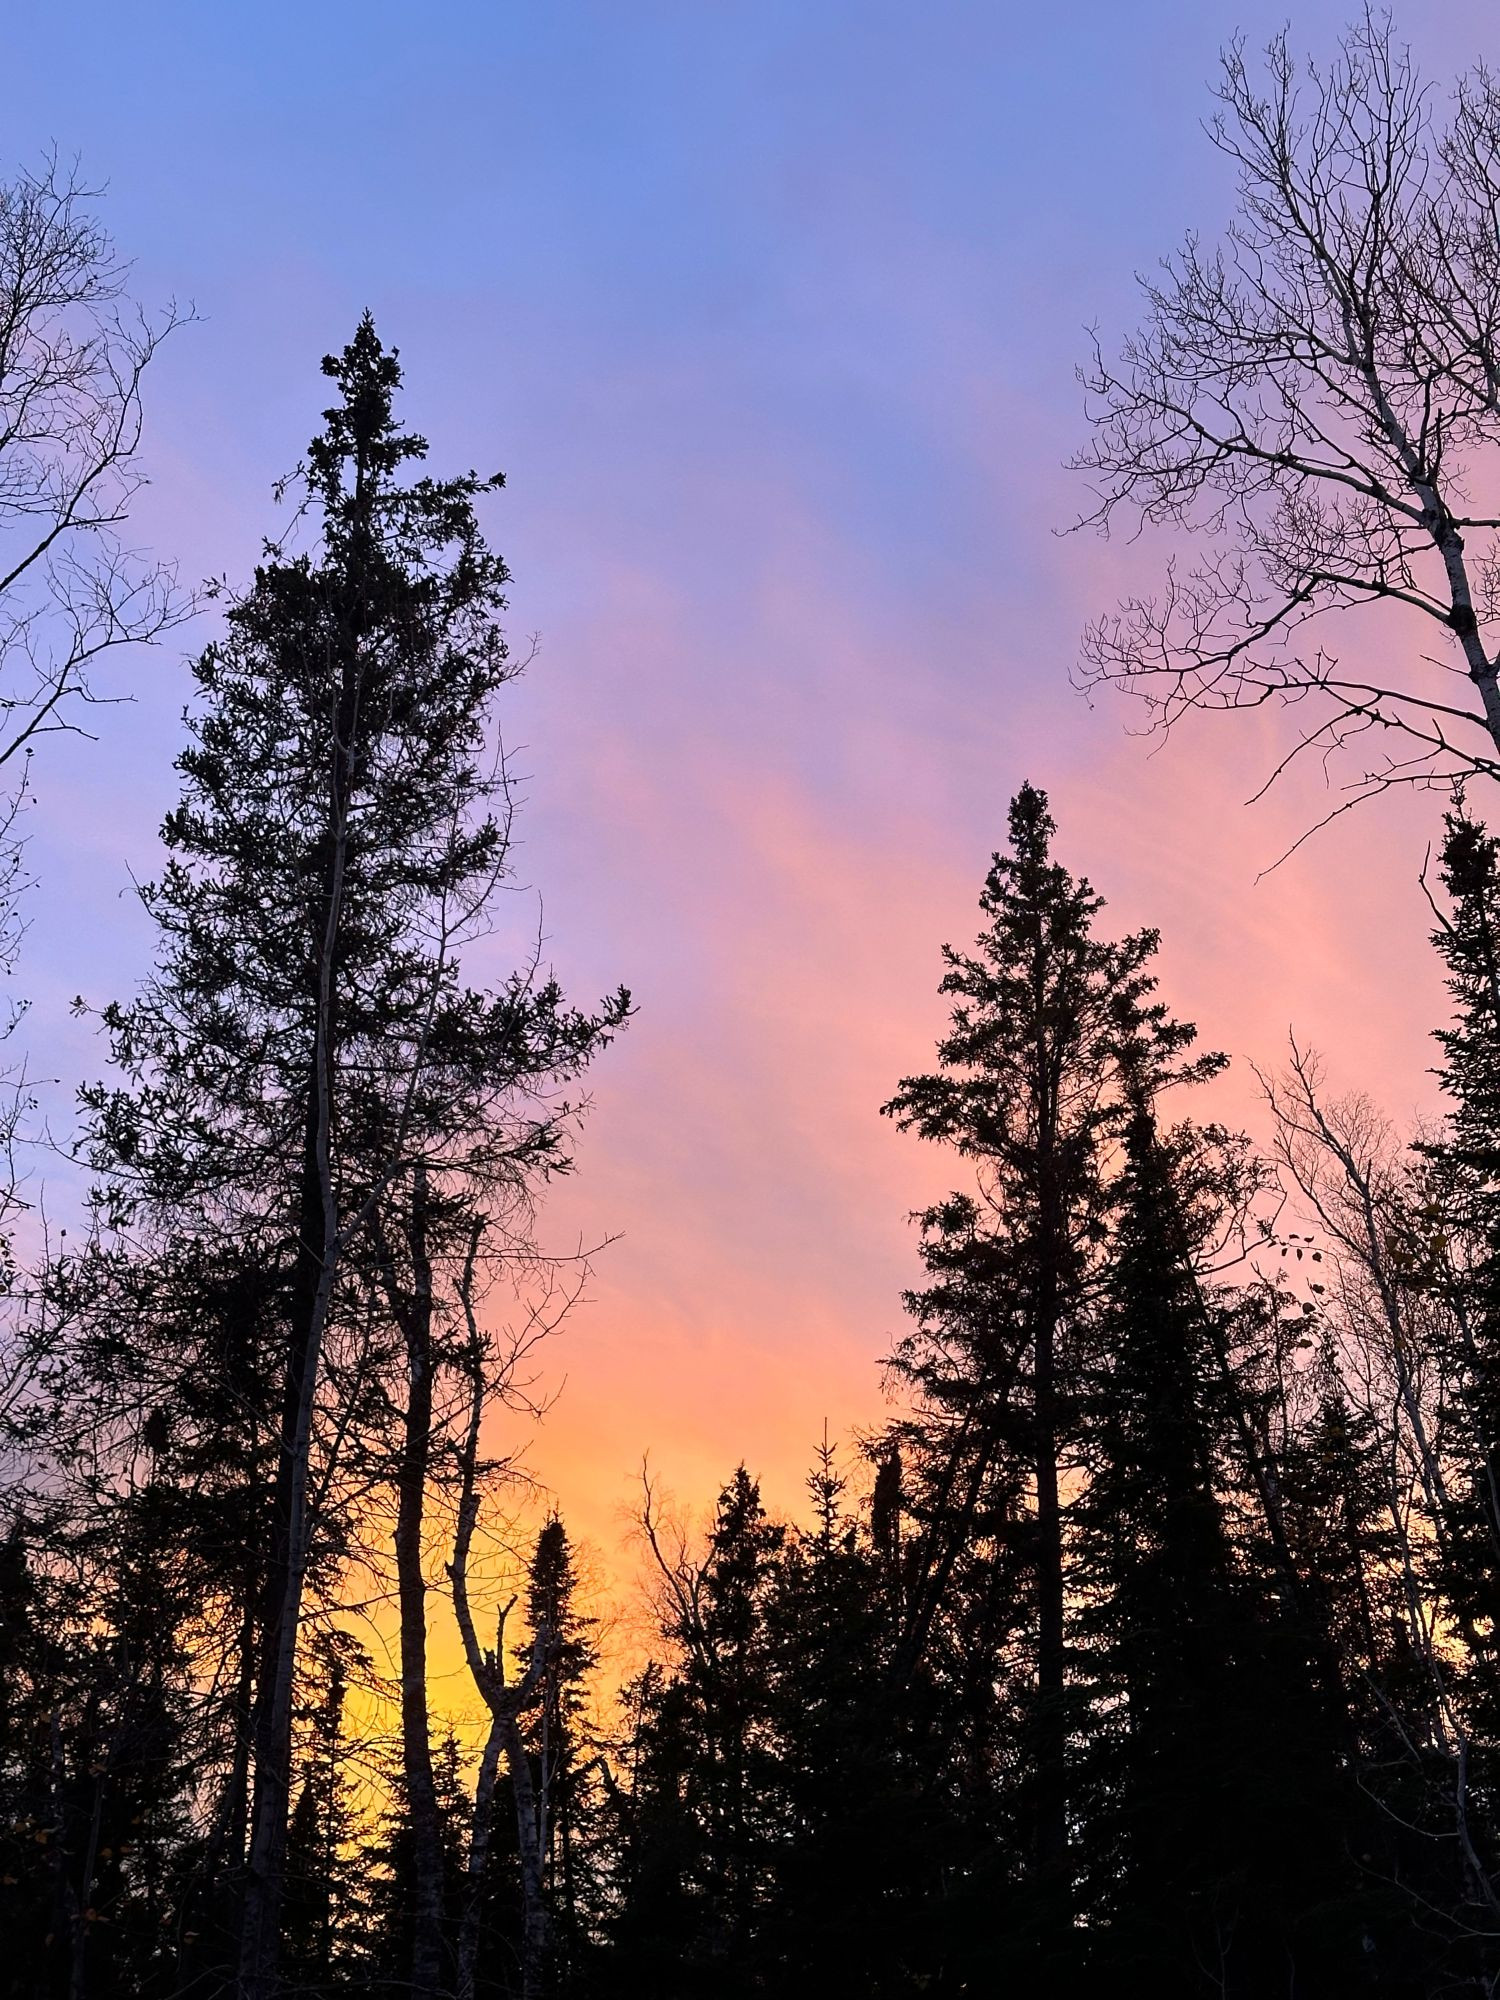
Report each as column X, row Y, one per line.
column 74, row 350
column 73, row 355
column 1388, row 1344
column 1316, row 398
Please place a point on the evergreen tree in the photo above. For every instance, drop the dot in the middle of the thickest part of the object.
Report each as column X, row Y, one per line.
column 98, row 1762
column 558, row 1732
column 322, row 1899
column 1467, row 1158
column 863, row 1839
column 705, row 1814
column 1027, row 1090
column 32, row 1692
column 1214, row 1826
column 380, row 1961
column 163, row 1412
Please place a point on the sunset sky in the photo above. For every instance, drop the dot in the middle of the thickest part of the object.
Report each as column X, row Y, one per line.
column 770, row 314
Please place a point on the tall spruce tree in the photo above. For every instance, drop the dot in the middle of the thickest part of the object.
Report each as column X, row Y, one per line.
column 559, row 1739
column 1451, row 1246
column 1027, row 1089
column 1467, row 1155
column 308, row 1053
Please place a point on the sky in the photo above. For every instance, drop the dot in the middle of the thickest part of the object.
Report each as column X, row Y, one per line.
column 770, row 314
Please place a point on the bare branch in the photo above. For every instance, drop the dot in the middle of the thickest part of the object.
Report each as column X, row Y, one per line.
column 1318, row 397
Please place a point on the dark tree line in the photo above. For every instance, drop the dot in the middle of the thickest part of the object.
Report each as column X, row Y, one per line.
column 1150, row 1643
column 1157, row 1650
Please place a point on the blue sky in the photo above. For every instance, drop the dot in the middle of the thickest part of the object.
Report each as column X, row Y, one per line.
column 770, row 314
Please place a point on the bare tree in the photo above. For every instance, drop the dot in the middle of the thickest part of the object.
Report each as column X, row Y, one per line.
column 1350, row 1172
column 74, row 351
column 1385, row 1344
column 447, row 1373
column 492, row 1379
column 1318, row 397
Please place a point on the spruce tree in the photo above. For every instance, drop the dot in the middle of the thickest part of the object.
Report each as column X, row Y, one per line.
column 322, row 1897
column 1450, row 1248
column 1215, row 1813
column 1459, row 1251
column 558, row 1733
column 862, row 1842
column 704, row 1814
column 1027, row 1090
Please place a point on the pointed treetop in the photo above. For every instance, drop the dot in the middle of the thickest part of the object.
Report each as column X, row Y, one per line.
column 361, row 427
column 1468, row 855
column 1031, row 824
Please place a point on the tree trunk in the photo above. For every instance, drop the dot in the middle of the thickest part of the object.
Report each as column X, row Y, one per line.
column 318, row 1252
column 479, row 1854
column 505, row 1705
column 1051, row 1724
column 416, row 1743
column 536, row 1931
column 1051, row 1656
column 261, row 1933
